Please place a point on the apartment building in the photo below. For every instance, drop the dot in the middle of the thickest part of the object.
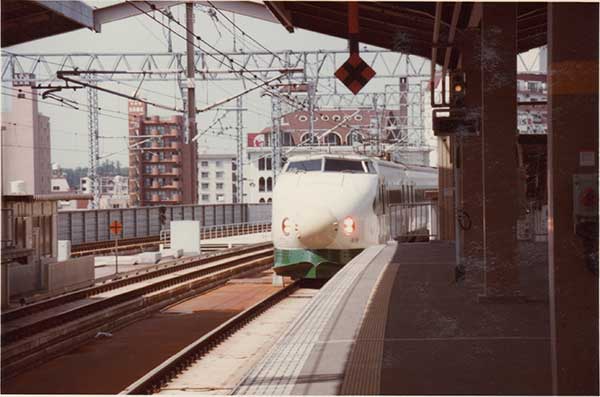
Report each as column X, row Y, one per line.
column 217, row 178
column 162, row 167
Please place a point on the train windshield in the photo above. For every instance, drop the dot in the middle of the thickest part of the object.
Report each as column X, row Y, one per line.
column 343, row 165
column 305, row 165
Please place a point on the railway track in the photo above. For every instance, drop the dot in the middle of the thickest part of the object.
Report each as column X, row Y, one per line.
column 140, row 243
column 47, row 328
column 153, row 381
column 142, row 275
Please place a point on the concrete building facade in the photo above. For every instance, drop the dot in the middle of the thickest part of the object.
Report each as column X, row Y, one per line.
column 162, row 167
column 113, row 190
column 26, row 145
column 217, row 178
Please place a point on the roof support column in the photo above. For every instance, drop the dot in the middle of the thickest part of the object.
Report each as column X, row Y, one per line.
column 472, row 177
column 572, row 129
column 499, row 139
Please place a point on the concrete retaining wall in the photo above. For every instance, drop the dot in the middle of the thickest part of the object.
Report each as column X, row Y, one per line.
column 23, row 279
column 70, row 275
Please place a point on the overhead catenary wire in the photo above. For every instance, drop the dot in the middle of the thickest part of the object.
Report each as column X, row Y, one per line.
column 286, row 98
column 67, row 132
column 231, row 60
column 110, row 80
column 67, row 108
column 246, row 34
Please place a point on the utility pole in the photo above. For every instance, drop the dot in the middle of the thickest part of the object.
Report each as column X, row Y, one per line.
column 190, row 70
column 169, row 38
column 275, row 135
column 94, row 150
column 311, row 109
column 190, row 132
column 376, row 127
column 240, row 151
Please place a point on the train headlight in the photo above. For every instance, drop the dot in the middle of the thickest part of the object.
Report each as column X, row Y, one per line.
column 286, row 226
column 348, row 226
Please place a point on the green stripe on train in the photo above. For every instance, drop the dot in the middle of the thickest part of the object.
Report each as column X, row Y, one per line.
column 320, row 263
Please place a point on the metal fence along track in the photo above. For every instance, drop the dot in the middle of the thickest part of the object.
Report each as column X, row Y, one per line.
column 92, row 225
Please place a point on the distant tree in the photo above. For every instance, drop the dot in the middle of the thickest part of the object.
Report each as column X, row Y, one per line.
column 106, row 168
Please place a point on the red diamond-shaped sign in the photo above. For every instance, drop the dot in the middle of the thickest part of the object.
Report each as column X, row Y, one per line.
column 355, row 73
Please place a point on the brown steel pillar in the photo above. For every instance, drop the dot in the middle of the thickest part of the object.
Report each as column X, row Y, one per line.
column 573, row 129
column 472, row 182
column 499, row 138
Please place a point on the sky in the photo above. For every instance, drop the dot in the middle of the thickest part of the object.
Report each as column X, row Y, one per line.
column 69, row 127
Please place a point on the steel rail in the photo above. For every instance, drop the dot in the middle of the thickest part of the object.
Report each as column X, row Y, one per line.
column 248, row 261
column 168, row 370
column 160, row 270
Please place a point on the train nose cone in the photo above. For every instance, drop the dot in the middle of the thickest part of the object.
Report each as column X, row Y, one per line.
column 317, row 228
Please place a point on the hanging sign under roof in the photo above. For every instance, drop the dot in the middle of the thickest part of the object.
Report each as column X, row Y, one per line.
column 355, row 73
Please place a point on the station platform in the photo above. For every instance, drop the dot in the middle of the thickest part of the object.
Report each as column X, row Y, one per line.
column 394, row 321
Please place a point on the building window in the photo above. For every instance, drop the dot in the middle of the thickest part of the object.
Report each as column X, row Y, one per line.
column 220, row 174
column 261, row 164
column 288, row 139
column 308, row 139
column 206, row 197
column 205, row 186
column 220, row 198
column 220, row 186
column 261, row 184
column 333, row 139
column 219, row 164
column 262, row 200
column 269, row 163
column 204, row 163
column 55, row 187
column 269, row 200
column 354, row 137
column 269, row 184
column 204, row 174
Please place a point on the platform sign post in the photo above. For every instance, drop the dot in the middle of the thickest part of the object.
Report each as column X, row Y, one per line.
column 115, row 228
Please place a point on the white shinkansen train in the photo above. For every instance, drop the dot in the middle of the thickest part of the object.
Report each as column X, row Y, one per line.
column 328, row 208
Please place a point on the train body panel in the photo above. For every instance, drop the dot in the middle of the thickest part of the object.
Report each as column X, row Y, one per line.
column 328, row 208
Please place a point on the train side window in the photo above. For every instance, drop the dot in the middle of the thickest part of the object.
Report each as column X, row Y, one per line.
column 395, row 195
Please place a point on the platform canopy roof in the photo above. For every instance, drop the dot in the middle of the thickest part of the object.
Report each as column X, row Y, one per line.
column 427, row 29
column 420, row 28
column 24, row 21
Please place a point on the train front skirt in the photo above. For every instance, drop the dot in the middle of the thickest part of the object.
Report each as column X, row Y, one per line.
column 315, row 264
